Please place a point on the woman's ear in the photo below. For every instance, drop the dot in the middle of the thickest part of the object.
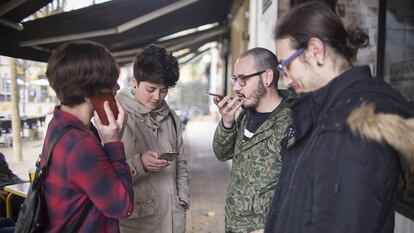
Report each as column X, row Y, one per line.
column 134, row 82
column 316, row 51
column 87, row 99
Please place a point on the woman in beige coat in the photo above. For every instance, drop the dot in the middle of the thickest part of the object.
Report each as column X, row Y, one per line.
column 160, row 186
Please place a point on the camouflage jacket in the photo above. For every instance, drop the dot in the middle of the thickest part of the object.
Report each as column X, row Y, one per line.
column 255, row 167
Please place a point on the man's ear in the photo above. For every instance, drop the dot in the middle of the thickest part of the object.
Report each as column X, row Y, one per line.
column 316, row 51
column 268, row 77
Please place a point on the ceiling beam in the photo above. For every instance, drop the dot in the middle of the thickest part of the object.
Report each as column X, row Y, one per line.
column 197, row 39
column 10, row 24
column 192, row 56
column 179, row 43
column 10, row 5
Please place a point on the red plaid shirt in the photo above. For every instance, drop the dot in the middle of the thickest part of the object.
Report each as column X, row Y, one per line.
column 80, row 169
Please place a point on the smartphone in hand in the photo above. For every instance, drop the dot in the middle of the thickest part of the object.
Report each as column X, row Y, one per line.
column 169, row 156
column 220, row 97
column 98, row 105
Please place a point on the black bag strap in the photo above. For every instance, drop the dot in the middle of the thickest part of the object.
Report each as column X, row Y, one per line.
column 42, row 176
column 41, row 172
column 173, row 121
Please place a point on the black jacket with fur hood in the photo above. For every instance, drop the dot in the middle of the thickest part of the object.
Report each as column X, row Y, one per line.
column 334, row 180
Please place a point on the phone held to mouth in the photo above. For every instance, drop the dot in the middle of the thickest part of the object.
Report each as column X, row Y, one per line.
column 169, row 156
column 98, row 105
column 220, row 97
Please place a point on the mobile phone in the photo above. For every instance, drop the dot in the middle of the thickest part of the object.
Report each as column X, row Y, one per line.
column 220, row 97
column 98, row 105
column 169, row 156
column 215, row 95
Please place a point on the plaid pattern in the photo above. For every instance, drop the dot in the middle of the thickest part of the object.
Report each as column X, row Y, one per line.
column 82, row 168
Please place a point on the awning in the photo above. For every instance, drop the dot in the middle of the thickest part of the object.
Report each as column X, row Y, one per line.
column 123, row 26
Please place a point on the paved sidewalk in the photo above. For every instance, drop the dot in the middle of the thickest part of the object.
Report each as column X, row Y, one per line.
column 209, row 178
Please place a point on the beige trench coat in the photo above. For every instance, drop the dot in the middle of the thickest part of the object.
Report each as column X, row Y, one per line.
column 160, row 197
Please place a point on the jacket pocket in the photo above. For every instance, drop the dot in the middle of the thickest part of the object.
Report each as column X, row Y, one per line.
column 260, row 203
column 145, row 208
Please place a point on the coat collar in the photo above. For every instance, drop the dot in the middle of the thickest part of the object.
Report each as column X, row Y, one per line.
column 63, row 119
column 264, row 132
column 309, row 106
column 153, row 118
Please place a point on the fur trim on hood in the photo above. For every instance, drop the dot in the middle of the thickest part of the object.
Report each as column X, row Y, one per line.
column 390, row 128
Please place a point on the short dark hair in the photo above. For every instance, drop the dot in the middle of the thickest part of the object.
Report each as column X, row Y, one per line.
column 81, row 69
column 316, row 19
column 154, row 64
column 264, row 59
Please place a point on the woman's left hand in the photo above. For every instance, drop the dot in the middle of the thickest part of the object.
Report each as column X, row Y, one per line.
column 151, row 163
column 115, row 129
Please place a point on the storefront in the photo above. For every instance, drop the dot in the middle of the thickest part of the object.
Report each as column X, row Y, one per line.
column 396, row 40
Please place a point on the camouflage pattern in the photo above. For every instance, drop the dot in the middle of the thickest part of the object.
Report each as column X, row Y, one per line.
column 255, row 167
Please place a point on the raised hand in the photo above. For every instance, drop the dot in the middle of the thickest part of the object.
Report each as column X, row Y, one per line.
column 228, row 107
column 115, row 129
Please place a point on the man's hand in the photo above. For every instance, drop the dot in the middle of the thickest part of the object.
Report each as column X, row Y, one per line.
column 151, row 163
column 228, row 108
column 115, row 129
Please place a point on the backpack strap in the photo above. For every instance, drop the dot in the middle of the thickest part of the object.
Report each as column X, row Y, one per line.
column 173, row 121
column 42, row 171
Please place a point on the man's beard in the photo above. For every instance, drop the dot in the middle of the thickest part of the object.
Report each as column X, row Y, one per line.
column 256, row 95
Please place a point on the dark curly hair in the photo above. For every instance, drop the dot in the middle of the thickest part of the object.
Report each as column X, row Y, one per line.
column 81, row 69
column 154, row 64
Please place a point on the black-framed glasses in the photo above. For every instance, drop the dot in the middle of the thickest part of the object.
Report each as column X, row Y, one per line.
column 241, row 79
column 281, row 66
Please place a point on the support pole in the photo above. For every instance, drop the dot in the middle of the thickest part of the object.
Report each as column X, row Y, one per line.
column 16, row 126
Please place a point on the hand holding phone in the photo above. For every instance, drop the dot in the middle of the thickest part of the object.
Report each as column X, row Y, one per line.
column 169, row 156
column 227, row 108
column 98, row 105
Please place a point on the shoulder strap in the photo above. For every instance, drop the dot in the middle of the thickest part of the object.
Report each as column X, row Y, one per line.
column 173, row 120
column 42, row 171
column 53, row 144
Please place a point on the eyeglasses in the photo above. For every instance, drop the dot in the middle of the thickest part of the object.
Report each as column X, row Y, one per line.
column 241, row 79
column 281, row 66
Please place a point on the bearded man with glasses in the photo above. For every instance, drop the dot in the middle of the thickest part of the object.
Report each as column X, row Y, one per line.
column 255, row 141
